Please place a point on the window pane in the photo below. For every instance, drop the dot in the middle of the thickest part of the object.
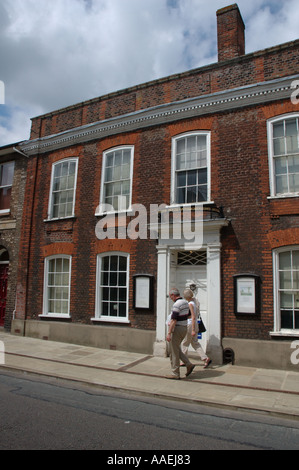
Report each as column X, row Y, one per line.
column 279, row 147
column 109, row 174
column 286, row 300
column 293, row 164
column 282, row 184
column 285, row 260
column 296, row 281
column 202, row 176
column 294, row 183
column 123, row 295
column 287, row 319
column 5, row 194
column 285, row 278
column 105, row 308
column 191, row 194
column 181, row 146
column 281, row 166
column 278, row 129
column 191, row 180
column 295, row 259
column 113, row 279
column 7, row 172
column 181, row 179
column 202, row 193
column 123, row 263
column 122, row 310
column 181, row 197
column 292, row 144
column 180, row 162
column 113, row 263
column 291, row 127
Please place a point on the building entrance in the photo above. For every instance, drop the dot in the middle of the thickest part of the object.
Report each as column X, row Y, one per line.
column 191, row 272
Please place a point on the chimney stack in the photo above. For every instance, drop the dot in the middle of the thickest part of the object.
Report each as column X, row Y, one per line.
column 231, row 33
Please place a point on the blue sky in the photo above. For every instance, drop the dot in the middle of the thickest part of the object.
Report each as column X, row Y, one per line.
column 60, row 52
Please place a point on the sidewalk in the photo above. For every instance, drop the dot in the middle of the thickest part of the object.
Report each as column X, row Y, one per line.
column 271, row 391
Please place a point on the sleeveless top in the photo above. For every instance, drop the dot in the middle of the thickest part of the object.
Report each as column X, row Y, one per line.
column 196, row 311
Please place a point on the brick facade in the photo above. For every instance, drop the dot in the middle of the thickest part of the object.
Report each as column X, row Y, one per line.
column 235, row 98
column 10, row 227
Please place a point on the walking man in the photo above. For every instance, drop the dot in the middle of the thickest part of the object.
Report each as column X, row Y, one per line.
column 177, row 330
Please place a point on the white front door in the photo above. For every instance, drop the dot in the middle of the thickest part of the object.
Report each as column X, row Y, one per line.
column 195, row 275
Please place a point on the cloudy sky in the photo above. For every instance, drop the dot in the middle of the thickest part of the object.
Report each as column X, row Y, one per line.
column 60, row 52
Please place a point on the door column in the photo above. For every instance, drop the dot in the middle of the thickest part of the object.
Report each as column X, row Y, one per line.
column 214, row 348
column 162, row 301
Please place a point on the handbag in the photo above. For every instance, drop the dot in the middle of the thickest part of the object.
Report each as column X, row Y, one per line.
column 201, row 326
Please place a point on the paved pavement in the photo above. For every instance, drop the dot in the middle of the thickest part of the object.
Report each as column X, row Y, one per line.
column 274, row 392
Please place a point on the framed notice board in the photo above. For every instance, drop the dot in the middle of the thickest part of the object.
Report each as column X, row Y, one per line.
column 143, row 291
column 247, row 294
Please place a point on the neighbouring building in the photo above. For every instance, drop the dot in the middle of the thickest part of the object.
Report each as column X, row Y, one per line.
column 223, row 138
column 13, row 171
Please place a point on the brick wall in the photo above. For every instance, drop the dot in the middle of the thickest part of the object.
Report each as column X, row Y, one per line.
column 240, row 183
column 10, row 237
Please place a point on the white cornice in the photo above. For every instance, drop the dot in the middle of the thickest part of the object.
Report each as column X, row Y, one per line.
column 259, row 93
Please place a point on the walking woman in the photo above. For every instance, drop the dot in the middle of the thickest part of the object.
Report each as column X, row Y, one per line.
column 192, row 329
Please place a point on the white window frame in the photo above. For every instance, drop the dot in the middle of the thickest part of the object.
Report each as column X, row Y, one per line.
column 207, row 134
column 278, row 331
column 46, row 313
column 102, row 209
column 51, row 197
column 271, row 157
column 98, row 313
column 7, row 210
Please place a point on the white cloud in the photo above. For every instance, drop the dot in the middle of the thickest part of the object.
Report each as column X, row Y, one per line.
column 54, row 54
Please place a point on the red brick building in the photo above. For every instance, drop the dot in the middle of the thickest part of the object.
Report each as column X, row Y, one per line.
column 224, row 138
column 13, row 172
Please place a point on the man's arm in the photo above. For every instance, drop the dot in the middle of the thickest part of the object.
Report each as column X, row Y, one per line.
column 170, row 329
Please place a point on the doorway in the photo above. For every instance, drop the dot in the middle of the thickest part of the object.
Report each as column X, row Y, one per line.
column 191, row 272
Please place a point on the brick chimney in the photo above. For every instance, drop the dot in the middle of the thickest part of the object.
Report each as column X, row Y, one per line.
column 231, row 33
